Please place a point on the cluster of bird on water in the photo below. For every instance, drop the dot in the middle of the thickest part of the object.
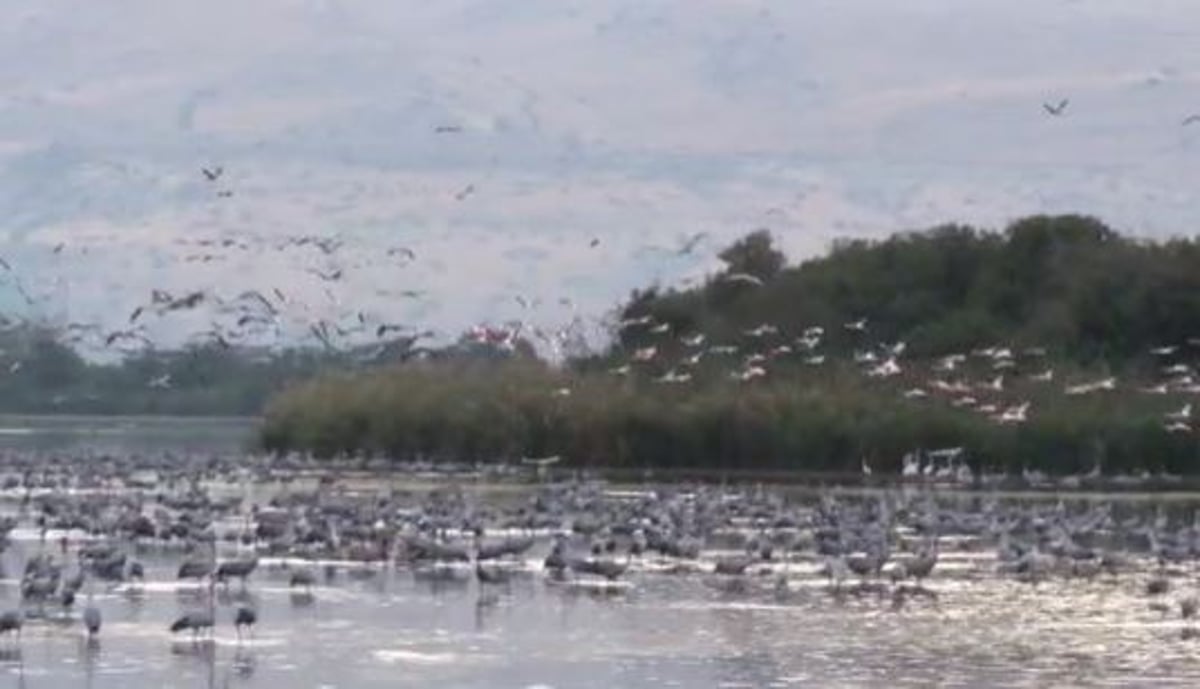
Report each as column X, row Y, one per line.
column 93, row 517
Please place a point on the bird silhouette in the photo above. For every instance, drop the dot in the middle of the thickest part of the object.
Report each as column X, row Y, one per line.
column 1057, row 109
column 692, row 242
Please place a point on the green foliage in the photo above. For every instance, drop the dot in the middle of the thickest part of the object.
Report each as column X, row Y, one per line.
column 40, row 374
column 1095, row 301
column 754, row 254
column 498, row 412
column 1067, row 283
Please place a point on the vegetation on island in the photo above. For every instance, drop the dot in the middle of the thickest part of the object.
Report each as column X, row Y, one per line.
column 1054, row 344
column 41, row 374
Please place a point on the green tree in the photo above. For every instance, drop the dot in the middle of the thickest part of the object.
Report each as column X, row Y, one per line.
column 755, row 254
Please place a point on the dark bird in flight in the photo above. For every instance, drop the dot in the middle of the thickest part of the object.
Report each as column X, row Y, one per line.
column 321, row 331
column 1191, row 119
column 1057, row 110
column 447, row 129
column 225, row 194
column 403, row 251
column 329, row 245
column 255, row 295
column 692, row 242
column 25, row 294
column 136, row 313
column 213, row 174
column 59, row 247
column 248, row 318
column 116, row 335
column 331, row 276
column 385, row 328
column 467, row 191
column 594, row 243
column 189, row 301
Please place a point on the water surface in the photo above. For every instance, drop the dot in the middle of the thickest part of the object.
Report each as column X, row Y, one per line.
column 374, row 626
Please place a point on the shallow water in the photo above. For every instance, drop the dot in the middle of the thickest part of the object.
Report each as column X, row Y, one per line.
column 393, row 630
column 383, row 627
column 125, row 434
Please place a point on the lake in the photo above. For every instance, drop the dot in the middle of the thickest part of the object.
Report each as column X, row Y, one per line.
column 375, row 626
column 126, row 434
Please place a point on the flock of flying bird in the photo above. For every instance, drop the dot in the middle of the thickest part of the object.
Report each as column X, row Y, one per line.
column 997, row 382
column 254, row 315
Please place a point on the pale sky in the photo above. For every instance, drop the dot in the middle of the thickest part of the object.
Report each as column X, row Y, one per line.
column 637, row 122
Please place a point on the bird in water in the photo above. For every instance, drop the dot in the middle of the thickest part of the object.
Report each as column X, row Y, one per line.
column 195, row 622
column 91, row 620
column 245, row 618
column 11, row 621
column 302, row 577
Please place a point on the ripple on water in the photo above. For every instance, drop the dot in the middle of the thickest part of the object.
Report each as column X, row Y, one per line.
column 409, row 656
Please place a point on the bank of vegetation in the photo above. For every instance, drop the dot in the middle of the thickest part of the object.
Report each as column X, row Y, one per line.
column 41, row 374
column 734, row 374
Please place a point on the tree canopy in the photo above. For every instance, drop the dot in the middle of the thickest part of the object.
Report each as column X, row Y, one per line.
column 1067, row 283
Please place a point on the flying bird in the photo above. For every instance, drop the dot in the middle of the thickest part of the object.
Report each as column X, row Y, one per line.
column 1191, row 119
column 255, row 295
column 447, row 129
column 218, row 338
column 691, row 243
column 212, row 174
column 744, row 278
column 188, row 301
column 327, row 245
column 467, row 191
column 249, row 318
column 118, row 335
column 331, row 276
column 1058, row 109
